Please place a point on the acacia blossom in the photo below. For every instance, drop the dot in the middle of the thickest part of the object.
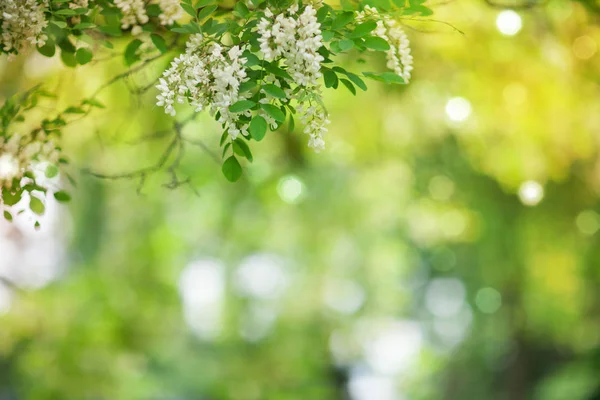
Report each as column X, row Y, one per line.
column 207, row 75
column 22, row 23
column 296, row 39
column 398, row 56
column 19, row 153
column 171, row 11
column 134, row 13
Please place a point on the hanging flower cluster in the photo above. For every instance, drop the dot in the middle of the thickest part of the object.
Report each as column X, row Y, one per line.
column 398, row 56
column 20, row 153
column 22, row 22
column 209, row 76
column 135, row 13
column 296, row 39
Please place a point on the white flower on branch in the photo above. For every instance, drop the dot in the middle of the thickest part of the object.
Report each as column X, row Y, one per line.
column 207, row 75
column 22, row 23
column 398, row 56
column 19, row 154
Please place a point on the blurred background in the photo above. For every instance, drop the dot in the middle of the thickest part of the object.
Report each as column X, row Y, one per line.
column 444, row 246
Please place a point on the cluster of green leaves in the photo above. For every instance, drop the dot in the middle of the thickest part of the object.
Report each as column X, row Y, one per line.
column 12, row 112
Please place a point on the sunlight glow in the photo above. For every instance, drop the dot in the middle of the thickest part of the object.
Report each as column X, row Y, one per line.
column 458, row 109
column 261, row 276
column 488, row 300
column 290, row 189
column 202, row 288
column 445, row 297
column 531, row 193
column 509, row 23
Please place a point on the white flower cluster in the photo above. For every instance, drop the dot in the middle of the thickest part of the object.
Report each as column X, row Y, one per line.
column 207, row 75
column 171, row 11
column 22, row 23
column 296, row 40
column 19, row 153
column 134, row 13
column 399, row 58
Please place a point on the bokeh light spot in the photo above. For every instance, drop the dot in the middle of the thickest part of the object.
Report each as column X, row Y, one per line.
column 531, row 193
column 445, row 297
column 458, row 109
column 588, row 222
column 488, row 300
column 509, row 23
column 584, row 47
column 291, row 189
column 441, row 188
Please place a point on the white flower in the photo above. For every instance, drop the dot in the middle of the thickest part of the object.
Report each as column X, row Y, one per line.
column 206, row 76
column 398, row 56
column 19, row 153
column 22, row 24
column 297, row 39
column 171, row 11
column 134, row 13
column 9, row 167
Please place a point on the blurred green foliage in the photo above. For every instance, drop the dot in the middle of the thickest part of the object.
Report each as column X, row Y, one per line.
column 444, row 246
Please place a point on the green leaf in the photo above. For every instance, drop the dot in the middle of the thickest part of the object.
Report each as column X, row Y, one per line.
column 48, row 49
column 275, row 70
column 243, row 147
column 159, row 43
column 74, row 110
column 9, row 198
column 62, row 196
column 274, row 91
column 322, row 14
column 246, row 86
column 342, row 20
column 232, row 169
column 83, row 56
column 93, row 103
column 376, row 43
column 386, row 77
column 274, row 112
column 226, row 147
column 241, row 105
column 258, row 128
column 356, row 80
column 68, row 59
column 84, row 25
column 241, row 9
column 36, row 205
column 131, row 51
column 330, row 78
column 189, row 9
column 327, row 35
column 51, row 171
column 345, row 44
column 60, row 24
column 206, row 11
column 363, row 29
column 66, row 11
column 251, row 59
column 349, row 85
column 203, row 3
